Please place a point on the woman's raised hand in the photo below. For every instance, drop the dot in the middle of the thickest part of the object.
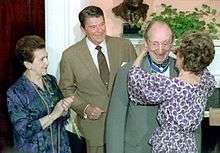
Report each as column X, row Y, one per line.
column 62, row 106
column 67, row 102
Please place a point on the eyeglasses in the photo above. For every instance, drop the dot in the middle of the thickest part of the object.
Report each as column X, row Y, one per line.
column 156, row 45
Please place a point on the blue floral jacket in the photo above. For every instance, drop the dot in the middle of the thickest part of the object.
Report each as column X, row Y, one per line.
column 26, row 107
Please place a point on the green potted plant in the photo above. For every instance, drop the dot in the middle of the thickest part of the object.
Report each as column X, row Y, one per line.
column 180, row 21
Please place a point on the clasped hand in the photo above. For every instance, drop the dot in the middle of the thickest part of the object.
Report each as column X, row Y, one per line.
column 94, row 112
column 63, row 106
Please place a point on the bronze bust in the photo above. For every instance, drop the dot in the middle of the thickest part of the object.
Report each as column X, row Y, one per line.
column 131, row 10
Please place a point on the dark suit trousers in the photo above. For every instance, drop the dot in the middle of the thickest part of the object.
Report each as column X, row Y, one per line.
column 77, row 145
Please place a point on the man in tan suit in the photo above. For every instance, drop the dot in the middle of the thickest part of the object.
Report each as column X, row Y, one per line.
column 81, row 74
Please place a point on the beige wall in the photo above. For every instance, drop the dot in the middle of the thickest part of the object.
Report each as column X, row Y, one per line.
column 114, row 24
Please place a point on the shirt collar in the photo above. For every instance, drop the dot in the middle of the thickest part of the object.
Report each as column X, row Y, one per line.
column 92, row 46
column 161, row 68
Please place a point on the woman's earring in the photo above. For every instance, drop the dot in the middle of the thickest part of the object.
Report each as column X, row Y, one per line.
column 27, row 65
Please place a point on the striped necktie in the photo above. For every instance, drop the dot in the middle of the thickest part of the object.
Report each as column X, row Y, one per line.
column 103, row 66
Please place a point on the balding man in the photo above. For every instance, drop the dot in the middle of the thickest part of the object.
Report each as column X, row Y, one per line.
column 129, row 127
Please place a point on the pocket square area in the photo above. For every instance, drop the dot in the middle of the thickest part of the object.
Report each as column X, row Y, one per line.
column 123, row 63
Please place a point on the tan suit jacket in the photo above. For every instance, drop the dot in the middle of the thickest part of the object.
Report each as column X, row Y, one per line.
column 79, row 77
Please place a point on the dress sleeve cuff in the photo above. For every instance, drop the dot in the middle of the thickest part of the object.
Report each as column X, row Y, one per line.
column 84, row 112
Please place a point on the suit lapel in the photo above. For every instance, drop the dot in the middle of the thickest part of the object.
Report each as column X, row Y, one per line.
column 145, row 64
column 173, row 69
column 113, row 60
column 87, row 60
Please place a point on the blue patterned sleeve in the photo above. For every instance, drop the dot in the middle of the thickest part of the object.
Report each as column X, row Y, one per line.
column 59, row 94
column 22, row 120
column 144, row 88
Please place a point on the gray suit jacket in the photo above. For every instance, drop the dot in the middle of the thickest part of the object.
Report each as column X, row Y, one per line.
column 129, row 127
column 79, row 77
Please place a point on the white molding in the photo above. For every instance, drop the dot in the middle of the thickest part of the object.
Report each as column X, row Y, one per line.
column 206, row 114
column 139, row 40
column 217, row 43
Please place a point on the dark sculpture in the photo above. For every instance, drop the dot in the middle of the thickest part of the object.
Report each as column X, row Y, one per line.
column 131, row 10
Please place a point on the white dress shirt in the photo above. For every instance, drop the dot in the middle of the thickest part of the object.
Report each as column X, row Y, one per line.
column 94, row 52
column 166, row 73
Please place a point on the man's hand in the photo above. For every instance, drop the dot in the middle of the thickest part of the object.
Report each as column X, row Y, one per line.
column 94, row 112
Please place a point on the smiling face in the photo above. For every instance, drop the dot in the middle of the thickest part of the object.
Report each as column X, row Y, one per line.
column 40, row 63
column 159, row 42
column 95, row 29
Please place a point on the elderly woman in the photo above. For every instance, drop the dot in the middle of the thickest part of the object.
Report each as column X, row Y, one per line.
column 36, row 105
column 181, row 100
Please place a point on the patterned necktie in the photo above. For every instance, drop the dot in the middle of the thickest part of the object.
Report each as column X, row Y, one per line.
column 103, row 67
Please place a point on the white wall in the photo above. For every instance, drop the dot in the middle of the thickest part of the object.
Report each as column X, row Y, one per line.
column 62, row 28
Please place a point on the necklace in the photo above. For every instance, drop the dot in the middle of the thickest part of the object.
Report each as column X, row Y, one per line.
column 48, row 112
column 34, row 79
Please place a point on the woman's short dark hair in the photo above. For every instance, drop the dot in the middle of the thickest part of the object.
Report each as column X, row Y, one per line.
column 197, row 50
column 26, row 46
column 88, row 12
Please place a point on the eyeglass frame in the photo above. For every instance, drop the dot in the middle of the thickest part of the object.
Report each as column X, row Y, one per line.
column 158, row 44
